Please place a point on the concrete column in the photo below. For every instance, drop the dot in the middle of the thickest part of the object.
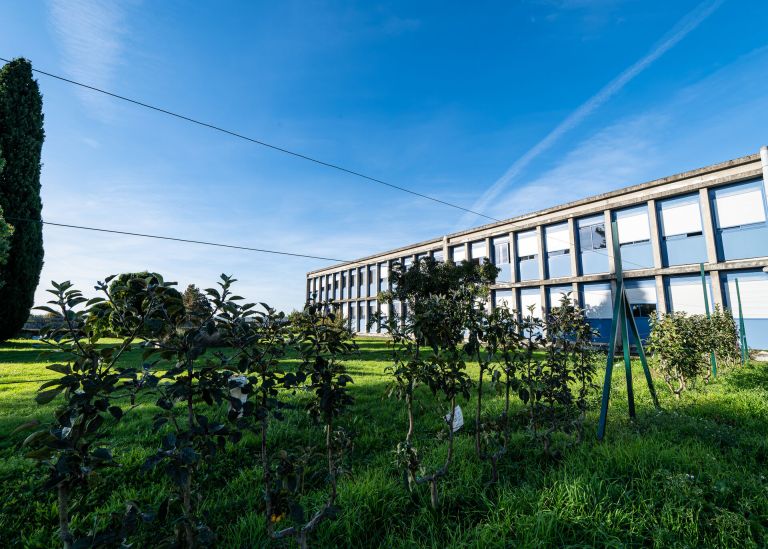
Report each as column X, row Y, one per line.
column 575, row 297
column 655, row 235
column 661, row 296
column 708, row 224
column 574, row 247
column 609, row 241
column 717, row 289
column 467, row 251
column 513, row 259
column 445, row 248
column 488, row 254
column 542, row 252
column 543, row 298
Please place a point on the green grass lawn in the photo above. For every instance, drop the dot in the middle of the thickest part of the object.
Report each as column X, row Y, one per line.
column 691, row 475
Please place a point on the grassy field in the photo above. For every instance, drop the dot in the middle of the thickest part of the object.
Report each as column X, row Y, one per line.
column 691, row 475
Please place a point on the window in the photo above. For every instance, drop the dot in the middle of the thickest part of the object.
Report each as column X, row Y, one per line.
column 530, row 302
column 682, row 239
column 501, row 258
column 343, row 291
column 740, row 219
column 336, row 286
column 438, row 256
column 372, row 281
column 328, row 287
column 527, row 255
column 555, row 295
column 478, row 251
column 753, row 289
column 641, row 295
column 360, row 277
column 352, row 317
column 591, row 243
column 635, row 238
column 361, row 320
column 383, row 277
column 686, row 294
column 598, row 308
column 353, row 284
column 371, row 314
column 557, row 240
column 458, row 253
column 503, row 298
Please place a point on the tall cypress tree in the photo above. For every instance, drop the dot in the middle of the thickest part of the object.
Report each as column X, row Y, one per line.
column 21, row 141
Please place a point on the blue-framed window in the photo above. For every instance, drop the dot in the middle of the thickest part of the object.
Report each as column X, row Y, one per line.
column 383, row 277
column 373, row 281
column 438, row 256
column 597, row 302
column 353, row 284
column 686, row 294
column 501, row 258
column 558, row 243
column 635, row 238
column 478, row 251
column 643, row 301
column 371, row 313
column 682, row 236
column 343, row 288
column 336, row 287
column 503, row 298
column 530, row 297
column 740, row 219
column 555, row 295
column 458, row 253
column 753, row 288
column 593, row 257
column 527, row 255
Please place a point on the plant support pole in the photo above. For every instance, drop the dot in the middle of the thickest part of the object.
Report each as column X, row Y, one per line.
column 712, row 357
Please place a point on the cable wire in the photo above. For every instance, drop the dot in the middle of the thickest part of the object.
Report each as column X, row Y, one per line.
column 174, row 239
column 260, row 142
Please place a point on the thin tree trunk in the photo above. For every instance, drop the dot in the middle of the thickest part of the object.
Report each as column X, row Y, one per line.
column 479, row 410
column 64, row 534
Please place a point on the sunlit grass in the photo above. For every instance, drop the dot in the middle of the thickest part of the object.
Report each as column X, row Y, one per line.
column 691, row 475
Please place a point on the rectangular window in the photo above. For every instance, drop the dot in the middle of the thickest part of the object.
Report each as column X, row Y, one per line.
column 328, row 287
column 383, row 277
column 592, row 243
column 635, row 238
column 503, row 298
column 478, row 251
column 527, row 255
column 556, row 293
column 597, row 301
column 753, row 288
column 557, row 241
column 501, row 258
column 685, row 294
column 458, row 253
column 353, row 284
column 642, row 301
column 372, row 308
column 740, row 218
column 343, row 279
column 336, row 286
column 361, row 320
column 438, row 256
column 682, row 238
column 360, row 282
column 373, row 281
column 530, row 302
column 321, row 292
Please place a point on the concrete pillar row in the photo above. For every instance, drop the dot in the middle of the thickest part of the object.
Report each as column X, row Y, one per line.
column 708, row 222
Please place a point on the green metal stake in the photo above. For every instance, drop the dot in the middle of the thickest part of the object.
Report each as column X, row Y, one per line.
column 742, row 328
column 617, row 302
column 712, row 357
column 623, row 320
column 641, row 352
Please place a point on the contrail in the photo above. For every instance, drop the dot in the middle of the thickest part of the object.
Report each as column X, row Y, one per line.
column 678, row 32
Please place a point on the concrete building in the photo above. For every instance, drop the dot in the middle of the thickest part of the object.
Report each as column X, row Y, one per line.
column 716, row 215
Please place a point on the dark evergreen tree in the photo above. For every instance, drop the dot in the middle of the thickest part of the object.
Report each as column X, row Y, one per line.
column 196, row 305
column 21, row 141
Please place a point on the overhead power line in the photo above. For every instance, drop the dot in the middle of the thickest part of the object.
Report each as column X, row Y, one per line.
column 174, row 239
column 260, row 142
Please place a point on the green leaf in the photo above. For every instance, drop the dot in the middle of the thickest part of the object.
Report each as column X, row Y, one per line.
column 47, row 396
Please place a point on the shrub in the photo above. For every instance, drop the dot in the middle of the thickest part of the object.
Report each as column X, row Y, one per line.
column 680, row 345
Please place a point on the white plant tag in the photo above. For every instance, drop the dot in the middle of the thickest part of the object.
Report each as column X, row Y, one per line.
column 458, row 418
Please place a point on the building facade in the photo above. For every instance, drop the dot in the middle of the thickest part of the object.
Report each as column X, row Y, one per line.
column 717, row 215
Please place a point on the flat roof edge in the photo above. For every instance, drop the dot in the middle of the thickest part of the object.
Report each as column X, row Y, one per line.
column 739, row 161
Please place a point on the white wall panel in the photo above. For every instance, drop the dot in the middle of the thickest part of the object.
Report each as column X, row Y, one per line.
column 633, row 225
column 754, row 297
column 734, row 209
column 598, row 302
column 681, row 217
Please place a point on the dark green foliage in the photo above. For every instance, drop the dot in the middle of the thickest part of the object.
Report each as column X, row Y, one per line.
column 196, row 306
column 128, row 303
column 6, row 232
column 74, row 446
column 21, row 142
column 681, row 344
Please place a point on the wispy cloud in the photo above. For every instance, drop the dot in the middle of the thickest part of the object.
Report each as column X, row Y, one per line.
column 91, row 33
column 675, row 35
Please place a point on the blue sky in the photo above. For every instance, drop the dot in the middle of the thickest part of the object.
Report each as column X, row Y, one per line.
column 507, row 107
